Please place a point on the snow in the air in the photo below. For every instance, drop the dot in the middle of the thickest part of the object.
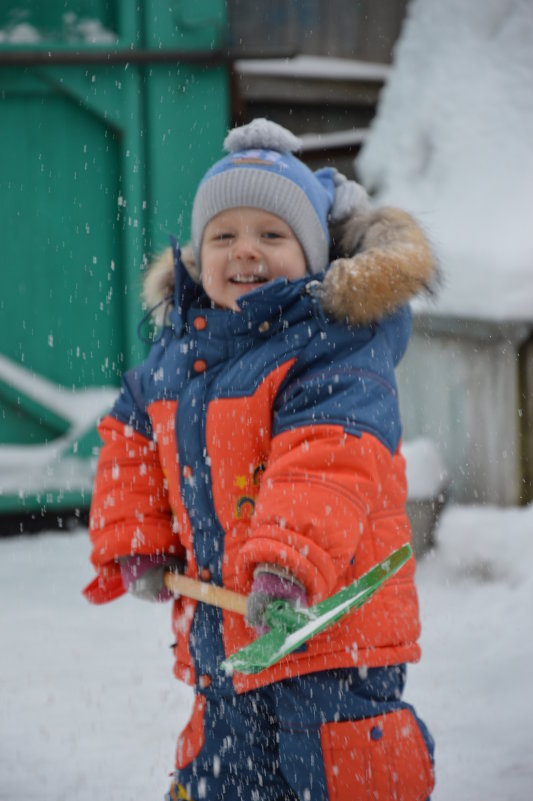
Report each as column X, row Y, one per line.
column 90, row 708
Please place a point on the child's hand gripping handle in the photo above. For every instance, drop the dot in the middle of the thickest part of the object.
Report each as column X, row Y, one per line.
column 207, row 593
column 278, row 614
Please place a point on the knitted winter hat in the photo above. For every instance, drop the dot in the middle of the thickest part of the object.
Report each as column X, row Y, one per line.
column 261, row 172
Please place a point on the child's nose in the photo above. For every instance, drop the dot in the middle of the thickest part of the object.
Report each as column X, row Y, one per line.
column 246, row 247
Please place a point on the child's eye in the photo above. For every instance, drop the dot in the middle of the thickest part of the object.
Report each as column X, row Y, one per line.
column 272, row 235
column 223, row 235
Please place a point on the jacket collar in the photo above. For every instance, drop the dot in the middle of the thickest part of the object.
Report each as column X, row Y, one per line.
column 279, row 303
column 381, row 260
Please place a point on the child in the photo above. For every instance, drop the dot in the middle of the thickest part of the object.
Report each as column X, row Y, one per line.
column 257, row 448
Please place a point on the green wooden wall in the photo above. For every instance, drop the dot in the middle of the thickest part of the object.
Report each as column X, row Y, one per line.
column 106, row 130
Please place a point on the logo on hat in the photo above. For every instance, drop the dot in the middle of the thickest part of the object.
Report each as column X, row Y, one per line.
column 267, row 158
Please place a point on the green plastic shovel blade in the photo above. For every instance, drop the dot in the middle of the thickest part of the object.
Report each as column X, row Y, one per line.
column 291, row 628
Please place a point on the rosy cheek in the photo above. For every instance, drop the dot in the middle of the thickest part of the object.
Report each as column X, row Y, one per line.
column 207, row 280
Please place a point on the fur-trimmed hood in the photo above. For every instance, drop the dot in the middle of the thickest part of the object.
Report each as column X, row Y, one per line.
column 382, row 260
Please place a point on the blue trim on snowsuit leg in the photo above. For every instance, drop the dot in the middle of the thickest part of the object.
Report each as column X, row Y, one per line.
column 265, row 745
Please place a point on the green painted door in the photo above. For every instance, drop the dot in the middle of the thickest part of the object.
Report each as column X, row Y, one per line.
column 109, row 116
column 98, row 165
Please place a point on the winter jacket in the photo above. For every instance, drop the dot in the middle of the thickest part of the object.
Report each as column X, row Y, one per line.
column 270, row 435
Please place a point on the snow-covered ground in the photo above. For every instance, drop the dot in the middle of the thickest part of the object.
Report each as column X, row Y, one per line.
column 88, row 704
column 89, row 707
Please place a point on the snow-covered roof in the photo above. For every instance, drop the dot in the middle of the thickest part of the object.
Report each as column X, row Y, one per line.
column 347, row 138
column 452, row 142
column 313, row 67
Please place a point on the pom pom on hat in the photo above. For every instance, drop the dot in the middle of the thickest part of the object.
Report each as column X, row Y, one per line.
column 264, row 134
column 261, row 172
column 350, row 198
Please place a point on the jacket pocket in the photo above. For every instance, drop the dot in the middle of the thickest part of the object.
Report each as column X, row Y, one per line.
column 383, row 758
column 191, row 740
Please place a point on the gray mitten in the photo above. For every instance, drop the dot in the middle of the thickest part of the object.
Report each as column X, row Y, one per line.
column 143, row 576
column 270, row 583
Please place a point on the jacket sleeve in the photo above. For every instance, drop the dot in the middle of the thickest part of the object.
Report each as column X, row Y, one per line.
column 130, row 511
column 333, row 465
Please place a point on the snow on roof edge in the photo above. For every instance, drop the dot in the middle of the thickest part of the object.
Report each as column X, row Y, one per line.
column 314, row 67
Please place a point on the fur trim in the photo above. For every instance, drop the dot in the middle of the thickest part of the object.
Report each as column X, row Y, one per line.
column 386, row 261
column 159, row 282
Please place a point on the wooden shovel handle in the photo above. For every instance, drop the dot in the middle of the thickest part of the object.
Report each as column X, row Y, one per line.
column 207, row 593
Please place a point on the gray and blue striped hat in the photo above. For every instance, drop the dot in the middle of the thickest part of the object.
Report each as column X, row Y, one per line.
column 261, row 172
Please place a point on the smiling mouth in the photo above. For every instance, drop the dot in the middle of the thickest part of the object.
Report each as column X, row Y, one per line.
column 248, row 279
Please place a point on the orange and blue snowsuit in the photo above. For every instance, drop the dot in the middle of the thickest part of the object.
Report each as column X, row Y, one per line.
column 269, row 436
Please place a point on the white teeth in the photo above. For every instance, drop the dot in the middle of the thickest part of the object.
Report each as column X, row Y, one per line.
column 247, row 279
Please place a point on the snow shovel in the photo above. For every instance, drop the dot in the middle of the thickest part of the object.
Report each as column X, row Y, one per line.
column 290, row 628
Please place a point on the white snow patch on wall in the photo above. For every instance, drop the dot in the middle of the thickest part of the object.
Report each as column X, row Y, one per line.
column 452, row 144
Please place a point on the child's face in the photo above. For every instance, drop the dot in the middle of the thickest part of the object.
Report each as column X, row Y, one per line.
column 243, row 248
